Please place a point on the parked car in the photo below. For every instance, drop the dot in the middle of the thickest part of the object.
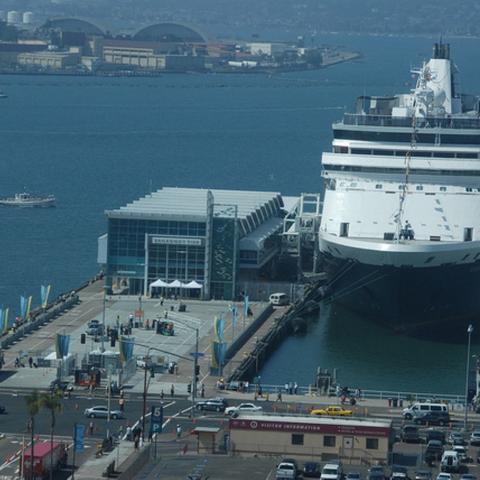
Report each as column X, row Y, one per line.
column 444, row 476
column 102, row 412
column 450, row 462
column 423, row 475
column 434, row 451
column 212, row 405
column 376, row 470
column 475, row 438
column 456, row 438
column 332, row 410
column 353, row 476
column 410, row 434
column 462, row 452
column 332, row 471
column 433, row 434
column 468, row 476
column 433, row 418
column 312, row 470
column 286, row 470
column 241, row 408
column 375, row 476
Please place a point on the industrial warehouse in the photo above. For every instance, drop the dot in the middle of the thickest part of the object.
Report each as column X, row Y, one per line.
column 312, row 437
column 195, row 242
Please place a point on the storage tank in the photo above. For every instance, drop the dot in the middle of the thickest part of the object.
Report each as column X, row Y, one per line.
column 28, row 18
column 14, row 17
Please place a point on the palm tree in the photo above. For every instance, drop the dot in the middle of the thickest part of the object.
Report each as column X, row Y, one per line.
column 32, row 402
column 52, row 402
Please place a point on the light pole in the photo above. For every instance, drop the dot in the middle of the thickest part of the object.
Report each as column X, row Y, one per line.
column 469, row 332
column 146, row 359
column 103, row 316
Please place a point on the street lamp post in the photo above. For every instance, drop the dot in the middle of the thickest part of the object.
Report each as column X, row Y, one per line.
column 469, row 332
column 146, row 359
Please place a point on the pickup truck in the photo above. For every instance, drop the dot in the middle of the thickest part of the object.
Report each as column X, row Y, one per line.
column 286, row 471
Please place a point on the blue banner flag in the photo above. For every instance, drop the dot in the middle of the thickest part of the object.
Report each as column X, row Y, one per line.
column 246, row 305
column 156, row 420
column 234, row 310
column 23, row 306
column 219, row 350
column 62, row 342
column 126, row 348
column 44, row 293
column 219, row 325
column 5, row 320
column 79, row 437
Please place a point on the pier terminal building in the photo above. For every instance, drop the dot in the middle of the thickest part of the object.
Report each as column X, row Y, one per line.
column 214, row 238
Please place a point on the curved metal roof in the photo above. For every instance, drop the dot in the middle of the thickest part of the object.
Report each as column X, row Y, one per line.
column 73, row 25
column 170, row 32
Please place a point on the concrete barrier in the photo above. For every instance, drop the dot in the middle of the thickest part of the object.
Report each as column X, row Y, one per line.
column 134, row 463
column 247, row 334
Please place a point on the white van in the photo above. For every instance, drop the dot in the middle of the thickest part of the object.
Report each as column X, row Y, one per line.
column 418, row 409
column 279, row 299
column 450, row 461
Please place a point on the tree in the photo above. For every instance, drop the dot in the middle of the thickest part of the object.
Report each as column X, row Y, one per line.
column 32, row 402
column 52, row 402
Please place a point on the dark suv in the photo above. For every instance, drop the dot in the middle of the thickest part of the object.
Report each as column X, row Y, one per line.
column 434, row 451
column 433, row 418
column 212, row 404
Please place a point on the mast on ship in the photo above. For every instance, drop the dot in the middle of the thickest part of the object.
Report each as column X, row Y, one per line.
column 433, row 96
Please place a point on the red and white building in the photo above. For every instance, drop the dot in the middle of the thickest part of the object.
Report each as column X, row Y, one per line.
column 318, row 438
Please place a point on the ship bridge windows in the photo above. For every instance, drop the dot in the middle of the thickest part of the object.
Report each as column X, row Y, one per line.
column 406, row 137
column 419, row 188
column 337, row 149
column 443, row 189
column 378, row 186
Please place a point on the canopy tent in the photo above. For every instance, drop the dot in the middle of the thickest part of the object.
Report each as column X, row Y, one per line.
column 193, row 285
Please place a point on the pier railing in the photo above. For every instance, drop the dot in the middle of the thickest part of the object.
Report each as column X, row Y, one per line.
column 397, row 397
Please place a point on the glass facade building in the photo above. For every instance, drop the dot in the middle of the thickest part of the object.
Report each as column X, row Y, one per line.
column 187, row 235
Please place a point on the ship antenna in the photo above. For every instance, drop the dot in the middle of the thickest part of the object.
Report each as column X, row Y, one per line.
column 404, row 187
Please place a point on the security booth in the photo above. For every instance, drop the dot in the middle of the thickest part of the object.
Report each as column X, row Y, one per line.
column 308, row 437
column 209, row 439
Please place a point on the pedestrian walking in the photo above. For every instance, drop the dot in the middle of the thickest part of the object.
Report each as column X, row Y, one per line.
column 161, row 395
column 279, row 395
column 172, row 391
column 295, row 388
column 286, row 388
column 30, row 362
column 121, row 404
column 91, row 428
column 179, row 431
column 202, row 391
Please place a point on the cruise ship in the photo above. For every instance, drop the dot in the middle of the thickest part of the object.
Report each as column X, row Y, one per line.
column 400, row 228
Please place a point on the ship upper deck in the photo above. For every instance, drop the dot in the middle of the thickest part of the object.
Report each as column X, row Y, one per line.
column 461, row 122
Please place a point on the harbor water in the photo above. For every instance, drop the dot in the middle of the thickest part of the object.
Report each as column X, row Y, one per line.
column 98, row 143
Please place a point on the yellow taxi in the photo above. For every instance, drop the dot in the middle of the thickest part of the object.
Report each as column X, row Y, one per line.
column 332, row 410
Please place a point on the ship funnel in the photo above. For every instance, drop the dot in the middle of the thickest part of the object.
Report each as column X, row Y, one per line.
column 441, row 51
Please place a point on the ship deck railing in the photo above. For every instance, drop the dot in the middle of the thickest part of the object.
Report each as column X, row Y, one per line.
column 427, row 122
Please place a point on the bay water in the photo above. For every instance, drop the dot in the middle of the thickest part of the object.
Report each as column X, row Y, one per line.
column 98, row 143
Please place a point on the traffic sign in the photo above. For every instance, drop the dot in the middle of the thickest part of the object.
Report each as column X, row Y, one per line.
column 197, row 354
